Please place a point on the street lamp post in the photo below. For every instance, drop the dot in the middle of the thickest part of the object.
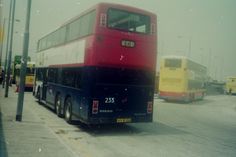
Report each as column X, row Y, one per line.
column 7, row 46
column 23, row 65
column 189, row 47
column 10, row 47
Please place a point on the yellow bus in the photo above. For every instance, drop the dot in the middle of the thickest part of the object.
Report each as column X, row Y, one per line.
column 230, row 85
column 30, row 76
column 181, row 79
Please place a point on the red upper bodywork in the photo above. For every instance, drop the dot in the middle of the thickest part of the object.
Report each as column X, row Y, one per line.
column 103, row 48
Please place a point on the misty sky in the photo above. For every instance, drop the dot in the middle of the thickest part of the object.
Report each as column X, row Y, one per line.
column 209, row 25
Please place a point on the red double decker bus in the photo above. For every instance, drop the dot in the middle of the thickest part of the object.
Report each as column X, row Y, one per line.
column 99, row 67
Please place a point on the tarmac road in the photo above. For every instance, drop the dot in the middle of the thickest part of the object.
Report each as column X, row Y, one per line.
column 203, row 128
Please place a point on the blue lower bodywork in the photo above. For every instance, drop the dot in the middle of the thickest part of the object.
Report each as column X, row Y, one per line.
column 123, row 95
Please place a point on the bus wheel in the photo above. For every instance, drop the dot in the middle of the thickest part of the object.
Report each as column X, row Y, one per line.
column 68, row 110
column 58, row 106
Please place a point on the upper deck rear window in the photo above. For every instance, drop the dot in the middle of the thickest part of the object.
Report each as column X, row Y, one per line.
column 173, row 63
column 128, row 21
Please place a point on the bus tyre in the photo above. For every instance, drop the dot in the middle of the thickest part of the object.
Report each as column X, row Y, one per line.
column 58, row 105
column 68, row 110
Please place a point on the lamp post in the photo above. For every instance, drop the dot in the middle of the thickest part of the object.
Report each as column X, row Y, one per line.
column 209, row 62
column 13, row 2
column 189, row 47
column 8, row 34
column 23, row 65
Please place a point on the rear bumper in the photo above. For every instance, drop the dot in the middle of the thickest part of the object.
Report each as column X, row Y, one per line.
column 181, row 96
column 173, row 95
column 103, row 120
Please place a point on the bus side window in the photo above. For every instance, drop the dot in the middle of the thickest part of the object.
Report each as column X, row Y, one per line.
column 68, row 77
column 78, row 83
column 52, row 75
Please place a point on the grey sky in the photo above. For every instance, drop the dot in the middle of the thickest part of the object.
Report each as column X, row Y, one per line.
column 208, row 24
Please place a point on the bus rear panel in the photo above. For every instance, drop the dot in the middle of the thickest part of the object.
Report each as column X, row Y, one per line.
column 121, row 95
column 181, row 79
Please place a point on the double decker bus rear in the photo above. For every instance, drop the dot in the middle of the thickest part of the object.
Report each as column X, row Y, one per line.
column 106, row 75
column 125, row 60
column 29, row 77
column 181, row 79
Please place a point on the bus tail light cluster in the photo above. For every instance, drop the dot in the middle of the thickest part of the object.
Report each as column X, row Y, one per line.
column 95, row 107
column 103, row 19
column 149, row 107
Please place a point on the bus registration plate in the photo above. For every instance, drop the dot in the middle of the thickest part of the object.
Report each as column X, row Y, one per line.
column 123, row 120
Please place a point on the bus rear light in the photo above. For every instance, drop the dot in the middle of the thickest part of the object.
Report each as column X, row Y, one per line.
column 149, row 107
column 103, row 20
column 95, row 107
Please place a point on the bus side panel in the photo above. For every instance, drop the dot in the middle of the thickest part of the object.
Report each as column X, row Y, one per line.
column 79, row 103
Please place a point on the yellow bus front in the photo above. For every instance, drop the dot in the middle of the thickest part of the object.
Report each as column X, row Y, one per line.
column 29, row 77
column 29, row 81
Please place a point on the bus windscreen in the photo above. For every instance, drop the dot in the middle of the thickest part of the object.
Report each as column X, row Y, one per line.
column 127, row 21
column 173, row 63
